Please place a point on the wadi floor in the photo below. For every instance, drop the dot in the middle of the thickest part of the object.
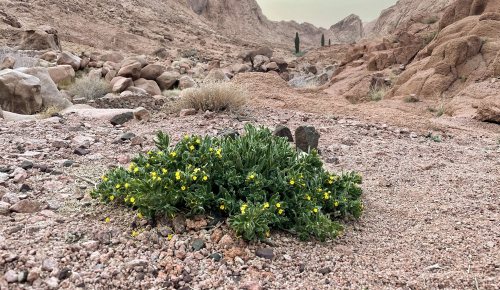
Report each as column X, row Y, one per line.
column 431, row 220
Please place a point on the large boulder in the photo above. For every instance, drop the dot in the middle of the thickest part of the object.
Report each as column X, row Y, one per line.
column 112, row 57
column 20, row 92
column 168, row 80
column 489, row 110
column 61, row 74
column 348, row 30
column 186, row 82
column 149, row 86
column 51, row 97
column 119, row 84
column 152, row 71
column 40, row 39
column 216, row 75
column 69, row 59
column 131, row 70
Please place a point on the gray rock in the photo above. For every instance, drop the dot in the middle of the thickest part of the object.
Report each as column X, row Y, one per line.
column 69, row 59
column 266, row 253
column 306, row 138
column 26, row 206
column 81, row 151
column 228, row 133
column 216, row 257
column 198, row 244
column 282, row 131
column 49, row 264
column 325, row 270
column 137, row 263
column 122, row 118
column 10, row 276
column 127, row 136
column 20, row 92
column 22, row 276
column 68, row 163
column 52, row 283
column 179, row 224
column 26, row 164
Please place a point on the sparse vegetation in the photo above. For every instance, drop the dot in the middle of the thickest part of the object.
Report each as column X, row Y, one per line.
column 297, row 43
column 411, row 99
column 435, row 138
column 376, row 94
column 438, row 111
column 49, row 112
column 172, row 94
column 89, row 88
column 430, row 20
column 427, row 38
column 214, row 97
column 258, row 181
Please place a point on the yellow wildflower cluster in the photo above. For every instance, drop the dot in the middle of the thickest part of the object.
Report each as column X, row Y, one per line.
column 243, row 208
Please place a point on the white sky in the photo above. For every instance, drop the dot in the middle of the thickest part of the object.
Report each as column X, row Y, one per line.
column 323, row 13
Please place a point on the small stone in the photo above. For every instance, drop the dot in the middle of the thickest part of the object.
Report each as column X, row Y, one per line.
column 91, row 245
column 198, row 244
column 282, row 131
column 228, row 133
column 33, row 275
column 49, row 264
column 287, row 257
column 81, row 151
column 65, row 273
column 52, row 283
column 68, row 163
column 187, row 112
column 4, row 208
column 302, row 268
column 332, row 160
column 3, row 177
column 239, row 260
column 10, row 276
column 179, row 224
column 226, row 240
column 22, row 276
column 122, row 118
column 306, row 138
column 216, row 257
column 26, row 206
column 60, row 144
column 137, row 263
column 26, row 164
column 25, row 188
column 266, row 253
column 325, row 270
column 127, row 136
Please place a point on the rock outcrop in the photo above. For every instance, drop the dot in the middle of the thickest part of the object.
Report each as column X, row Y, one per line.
column 19, row 92
column 348, row 30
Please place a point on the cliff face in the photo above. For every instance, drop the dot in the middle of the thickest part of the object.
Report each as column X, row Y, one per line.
column 348, row 30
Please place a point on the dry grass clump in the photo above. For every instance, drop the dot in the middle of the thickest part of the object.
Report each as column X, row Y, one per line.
column 215, row 97
column 49, row 112
column 376, row 95
column 89, row 88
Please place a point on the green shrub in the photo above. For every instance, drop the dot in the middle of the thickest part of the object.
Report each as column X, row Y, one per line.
column 89, row 88
column 257, row 180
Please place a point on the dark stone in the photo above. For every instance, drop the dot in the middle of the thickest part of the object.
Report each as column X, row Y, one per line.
column 65, row 273
column 186, row 277
column 25, row 188
column 179, row 224
column 26, row 165
column 68, row 163
column 325, row 270
column 198, row 244
column 127, row 136
column 306, row 138
column 60, row 144
column 164, row 232
column 282, row 131
column 266, row 253
column 5, row 169
column 228, row 133
column 302, row 268
column 81, row 151
column 42, row 167
column 122, row 118
column 216, row 256
column 22, row 276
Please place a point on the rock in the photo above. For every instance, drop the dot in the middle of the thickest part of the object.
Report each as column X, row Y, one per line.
column 3, row 177
column 306, row 138
column 152, row 71
column 168, row 80
column 216, row 257
column 132, row 70
column 10, row 276
column 113, row 57
column 68, row 163
column 67, row 58
column 52, row 283
column 325, row 270
column 20, row 92
column 7, row 62
column 26, row 206
column 39, row 39
column 122, row 118
column 489, row 110
column 186, row 82
column 266, row 253
column 259, row 61
column 51, row 97
column 80, row 151
column 137, row 263
column 33, row 275
column 228, row 133
column 26, row 164
column 127, row 136
column 216, row 75
column 151, row 87
column 250, row 55
column 198, row 244
column 49, row 56
column 4, row 208
column 64, row 274
column 179, row 224
column 271, row 66
column 22, row 276
column 120, row 84
column 61, row 74
column 226, row 241
column 251, row 285
column 49, row 264
column 187, row 112
column 348, row 30
column 282, row 131
column 142, row 114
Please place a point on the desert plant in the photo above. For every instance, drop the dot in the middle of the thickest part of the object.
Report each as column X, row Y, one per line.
column 89, row 88
column 427, row 38
column 376, row 94
column 411, row 99
column 297, row 43
column 430, row 20
column 257, row 180
column 323, row 39
column 329, row 42
column 49, row 112
column 216, row 97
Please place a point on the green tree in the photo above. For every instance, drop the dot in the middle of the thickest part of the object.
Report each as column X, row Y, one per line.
column 323, row 39
column 329, row 42
column 297, row 43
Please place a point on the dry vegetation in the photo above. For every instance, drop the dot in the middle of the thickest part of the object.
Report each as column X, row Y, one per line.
column 89, row 88
column 215, row 97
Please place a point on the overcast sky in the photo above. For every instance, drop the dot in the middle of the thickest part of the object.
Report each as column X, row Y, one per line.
column 322, row 13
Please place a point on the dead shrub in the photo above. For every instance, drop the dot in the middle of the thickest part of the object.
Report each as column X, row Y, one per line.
column 215, row 97
column 89, row 88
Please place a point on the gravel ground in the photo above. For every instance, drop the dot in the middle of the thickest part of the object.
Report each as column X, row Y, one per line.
column 432, row 218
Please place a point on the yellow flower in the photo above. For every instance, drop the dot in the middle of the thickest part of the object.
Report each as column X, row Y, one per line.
column 251, row 177
column 194, row 178
column 196, row 170
column 104, row 178
column 183, row 188
column 134, row 234
column 131, row 166
column 278, row 205
column 139, row 215
column 211, row 149
column 336, row 203
column 186, row 137
column 153, row 173
column 222, row 206
column 243, row 208
column 148, row 165
column 198, row 141
column 205, row 178
column 266, row 205
column 292, row 182
column 107, row 220
column 308, row 197
column 173, row 154
column 158, row 179
column 281, row 211
column 136, row 169
column 268, row 234
column 127, row 185
column 315, row 210
column 320, row 190
column 160, row 153
column 330, row 182
column 326, row 195
column 111, row 197
column 118, row 186
column 178, row 175
column 170, row 236
column 132, row 200
column 191, row 147
column 150, row 152
column 164, row 171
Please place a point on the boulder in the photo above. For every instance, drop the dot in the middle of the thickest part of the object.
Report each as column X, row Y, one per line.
column 149, row 86
column 37, row 39
column 260, row 60
column 131, row 70
column 120, row 84
column 271, row 66
column 112, row 57
column 306, row 138
column 7, row 62
column 61, row 73
column 186, row 82
column 69, row 59
column 51, row 97
column 216, row 75
column 20, row 92
column 152, row 71
column 49, row 56
column 168, row 80
column 241, row 68
column 489, row 110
